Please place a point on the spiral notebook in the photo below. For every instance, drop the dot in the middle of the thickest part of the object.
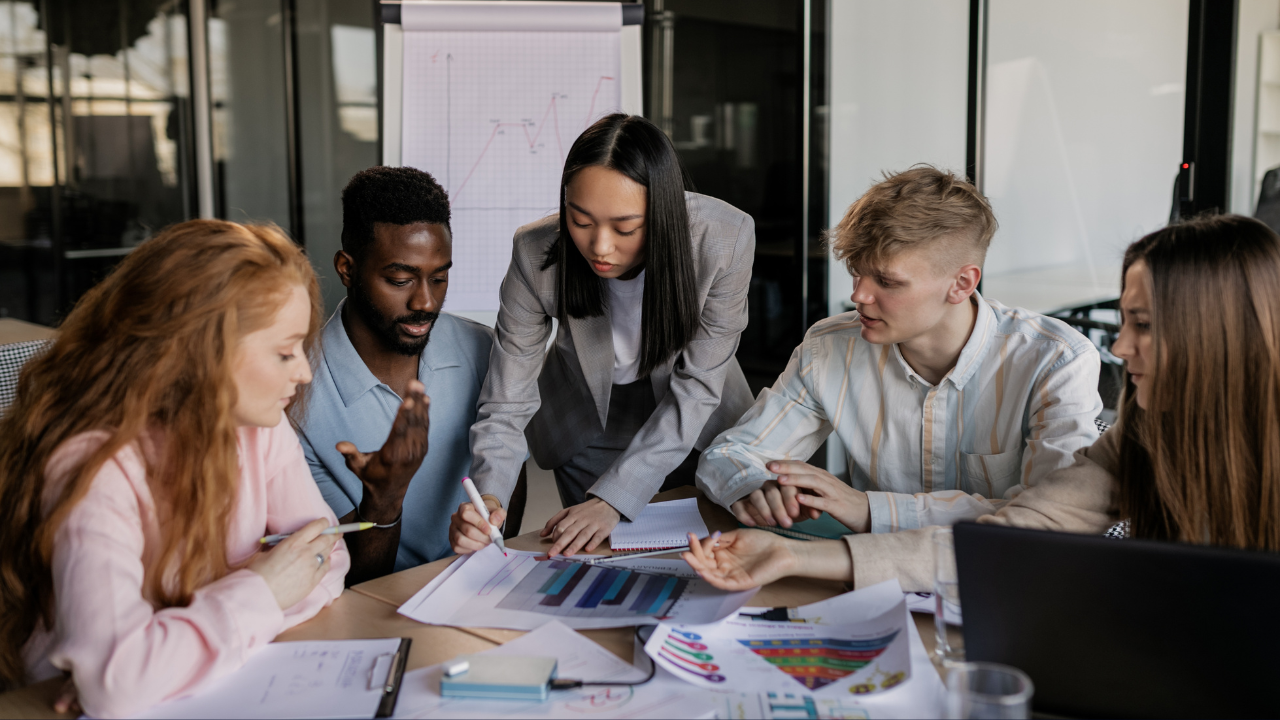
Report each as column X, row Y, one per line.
column 660, row 526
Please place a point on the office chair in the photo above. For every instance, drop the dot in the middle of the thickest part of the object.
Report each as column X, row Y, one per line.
column 12, row 357
column 1268, row 210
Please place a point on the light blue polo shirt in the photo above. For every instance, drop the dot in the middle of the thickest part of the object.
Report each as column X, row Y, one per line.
column 347, row 402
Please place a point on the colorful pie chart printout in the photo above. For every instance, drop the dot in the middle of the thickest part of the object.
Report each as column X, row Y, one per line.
column 745, row 655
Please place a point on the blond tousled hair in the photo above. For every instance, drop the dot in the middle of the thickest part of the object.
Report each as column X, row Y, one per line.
column 923, row 206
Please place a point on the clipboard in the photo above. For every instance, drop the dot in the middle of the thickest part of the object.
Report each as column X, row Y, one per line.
column 391, row 689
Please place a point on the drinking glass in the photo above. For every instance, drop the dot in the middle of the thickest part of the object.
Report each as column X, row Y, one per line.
column 946, row 593
column 987, row 690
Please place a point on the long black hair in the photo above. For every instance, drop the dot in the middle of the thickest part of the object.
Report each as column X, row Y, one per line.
column 635, row 147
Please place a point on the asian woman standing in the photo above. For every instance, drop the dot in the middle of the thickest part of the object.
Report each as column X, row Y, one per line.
column 649, row 284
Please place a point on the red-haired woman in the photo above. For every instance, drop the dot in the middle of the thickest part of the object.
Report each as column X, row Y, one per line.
column 145, row 456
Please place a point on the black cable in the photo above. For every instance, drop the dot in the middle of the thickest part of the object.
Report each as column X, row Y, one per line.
column 567, row 684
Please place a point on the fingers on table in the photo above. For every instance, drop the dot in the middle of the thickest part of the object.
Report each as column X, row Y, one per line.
column 739, row 510
column 549, row 529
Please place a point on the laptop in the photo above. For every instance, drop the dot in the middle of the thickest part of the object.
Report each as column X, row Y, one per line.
column 1124, row 628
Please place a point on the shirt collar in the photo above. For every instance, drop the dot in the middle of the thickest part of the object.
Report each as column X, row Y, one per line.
column 967, row 364
column 353, row 378
column 984, row 326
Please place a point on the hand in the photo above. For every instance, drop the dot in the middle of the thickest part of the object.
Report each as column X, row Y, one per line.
column 580, row 527
column 291, row 568
column 825, row 492
column 468, row 532
column 769, row 506
column 386, row 473
column 68, row 700
column 743, row 560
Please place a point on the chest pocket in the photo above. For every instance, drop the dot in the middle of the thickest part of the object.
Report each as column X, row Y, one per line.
column 990, row 475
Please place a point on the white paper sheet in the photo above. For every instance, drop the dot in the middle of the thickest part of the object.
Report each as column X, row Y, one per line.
column 578, row 658
column 520, row 592
column 657, row 565
column 313, row 679
column 919, row 695
column 660, row 526
column 866, row 652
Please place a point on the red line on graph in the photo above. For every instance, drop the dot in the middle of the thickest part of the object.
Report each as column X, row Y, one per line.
column 532, row 141
column 591, row 110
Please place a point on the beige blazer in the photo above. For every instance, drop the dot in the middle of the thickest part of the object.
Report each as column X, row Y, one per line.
column 554, row 404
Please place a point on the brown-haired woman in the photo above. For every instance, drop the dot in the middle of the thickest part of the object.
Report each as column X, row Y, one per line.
column 1195, row 456
column 143, row 459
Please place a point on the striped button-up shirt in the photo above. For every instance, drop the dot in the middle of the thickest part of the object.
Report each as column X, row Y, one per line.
column 1020, row 400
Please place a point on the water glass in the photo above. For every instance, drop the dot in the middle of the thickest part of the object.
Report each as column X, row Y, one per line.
column 946, row 593
column 987, row 690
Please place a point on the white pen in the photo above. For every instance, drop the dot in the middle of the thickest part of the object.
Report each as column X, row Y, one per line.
column 334, row 530
column 476, row 501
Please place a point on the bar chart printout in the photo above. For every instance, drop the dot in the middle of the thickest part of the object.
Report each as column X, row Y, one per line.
column 569, row 589
column 525, row 590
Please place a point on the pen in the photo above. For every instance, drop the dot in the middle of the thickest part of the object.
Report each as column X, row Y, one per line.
column 650, row 553
column 348, row 528
column 474, row 494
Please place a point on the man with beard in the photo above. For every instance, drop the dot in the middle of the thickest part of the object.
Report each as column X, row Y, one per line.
column 397, row 250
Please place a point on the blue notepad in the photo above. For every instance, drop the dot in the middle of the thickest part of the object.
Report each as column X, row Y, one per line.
column 501, row 677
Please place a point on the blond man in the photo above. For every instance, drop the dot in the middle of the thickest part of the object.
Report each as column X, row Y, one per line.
column 948, row 404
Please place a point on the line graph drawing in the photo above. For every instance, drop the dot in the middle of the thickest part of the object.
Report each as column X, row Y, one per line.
column 491, row 115
column 523, row 125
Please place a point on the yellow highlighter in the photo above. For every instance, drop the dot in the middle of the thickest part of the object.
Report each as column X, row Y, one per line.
column 348, row 528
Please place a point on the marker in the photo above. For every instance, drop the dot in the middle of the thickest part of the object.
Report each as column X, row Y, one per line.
column 334, row 530
column 474, row 494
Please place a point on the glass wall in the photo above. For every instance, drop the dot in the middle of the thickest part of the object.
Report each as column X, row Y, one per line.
column 248, row 91
column 94, row 142
column 735, row 115
column 1084, row 112
column 338, row 119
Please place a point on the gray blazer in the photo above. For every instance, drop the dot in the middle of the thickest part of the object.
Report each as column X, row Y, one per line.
column 560, row 401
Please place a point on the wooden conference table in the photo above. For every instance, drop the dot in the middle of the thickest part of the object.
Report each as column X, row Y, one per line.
column 368, row 610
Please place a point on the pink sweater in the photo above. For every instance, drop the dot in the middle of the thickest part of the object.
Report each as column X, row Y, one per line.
column 126, row 654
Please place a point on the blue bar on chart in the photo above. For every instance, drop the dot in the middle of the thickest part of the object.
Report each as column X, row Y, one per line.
column 575, row 589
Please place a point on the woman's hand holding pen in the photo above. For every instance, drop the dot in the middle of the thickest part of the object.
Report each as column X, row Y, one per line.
column 294, row 567
column 581, row 527
column 468, row 532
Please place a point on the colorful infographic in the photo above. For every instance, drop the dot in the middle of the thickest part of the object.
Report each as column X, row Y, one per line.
column 817, row 662
column 745, row 655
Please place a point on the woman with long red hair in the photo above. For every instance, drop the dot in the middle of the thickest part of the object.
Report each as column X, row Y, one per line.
column 146, row 454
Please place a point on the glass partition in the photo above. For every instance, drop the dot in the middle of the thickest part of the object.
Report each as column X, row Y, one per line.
column 94, row 138
column 1083, row 139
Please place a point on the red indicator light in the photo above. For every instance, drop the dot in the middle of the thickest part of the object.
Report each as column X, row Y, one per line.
column 1186, row 165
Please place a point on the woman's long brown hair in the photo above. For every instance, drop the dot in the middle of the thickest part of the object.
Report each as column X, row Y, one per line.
column 1202, row 462
column 151, row 346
